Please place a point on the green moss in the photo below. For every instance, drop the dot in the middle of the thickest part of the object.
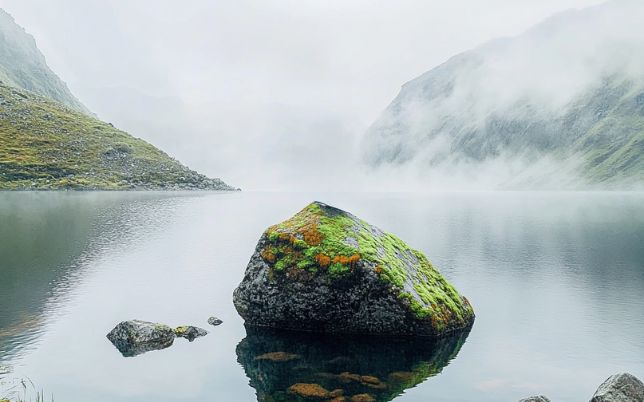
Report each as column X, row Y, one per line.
column 180, row 331
column 322, row 239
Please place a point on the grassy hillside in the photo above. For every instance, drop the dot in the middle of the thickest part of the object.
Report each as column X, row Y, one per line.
column 44, row 145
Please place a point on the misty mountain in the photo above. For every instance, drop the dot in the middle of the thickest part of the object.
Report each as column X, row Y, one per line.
column 49, row 140
column 560, row 106
column 23, row 65
column 45, row 145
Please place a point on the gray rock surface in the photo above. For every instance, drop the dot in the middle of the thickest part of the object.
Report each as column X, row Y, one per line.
column 134, row 337
column 190, row 332
column 539, row 398
column 621, row 387
column 214, row 321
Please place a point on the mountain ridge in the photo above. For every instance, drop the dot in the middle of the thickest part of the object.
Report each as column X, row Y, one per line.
column 22, row 65
column 567, row 90
column 49, row 140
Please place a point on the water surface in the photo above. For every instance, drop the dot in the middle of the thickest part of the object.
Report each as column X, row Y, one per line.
column 556, row 280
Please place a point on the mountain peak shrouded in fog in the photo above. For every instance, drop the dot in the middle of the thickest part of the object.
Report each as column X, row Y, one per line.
column 560, row 106
column 50, row 141
column 22, row 65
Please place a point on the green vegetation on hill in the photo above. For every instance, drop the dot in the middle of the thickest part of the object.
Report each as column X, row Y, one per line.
column 44, row 145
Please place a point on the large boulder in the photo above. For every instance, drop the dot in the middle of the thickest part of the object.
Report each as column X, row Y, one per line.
column 539, row 398
column 621, row 387
column 134, row 337
column 326, row 270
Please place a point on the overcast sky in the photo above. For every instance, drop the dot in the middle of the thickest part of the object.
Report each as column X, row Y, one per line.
column 264, row 94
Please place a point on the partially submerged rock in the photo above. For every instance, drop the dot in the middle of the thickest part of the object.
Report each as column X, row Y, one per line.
column 214, row 321
column 190, row 332
column 621, row 387
column 134, row 337
column 539, row 398
column 326, row 270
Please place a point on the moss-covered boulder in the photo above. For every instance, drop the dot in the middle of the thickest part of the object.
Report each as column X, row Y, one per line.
column 326, row 270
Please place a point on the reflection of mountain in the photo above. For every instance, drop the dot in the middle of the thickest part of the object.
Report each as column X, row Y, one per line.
column 381, row 367
column 44, row 238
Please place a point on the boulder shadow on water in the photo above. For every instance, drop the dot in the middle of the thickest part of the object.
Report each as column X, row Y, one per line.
column 299, row 366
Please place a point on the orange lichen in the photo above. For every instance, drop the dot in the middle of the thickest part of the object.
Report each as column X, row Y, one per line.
column 267, row 255
column 323, row 260
column 311, row 234
column 344, row 260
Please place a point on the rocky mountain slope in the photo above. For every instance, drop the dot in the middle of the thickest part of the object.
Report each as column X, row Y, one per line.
column 22, row 65
column 44, row 145
column 560, row 106
column 49, row 140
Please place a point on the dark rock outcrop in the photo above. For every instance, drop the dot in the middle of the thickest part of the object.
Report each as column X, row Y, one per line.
column 214, row 321
column 135, row 337
column 325, row 270
column 287, row 365
column 621, row 387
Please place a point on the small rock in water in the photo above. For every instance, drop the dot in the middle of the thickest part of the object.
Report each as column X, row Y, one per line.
column 189, row 332
column 214, row 321
column 621, row 387
column 135, row 337
column 539, row 398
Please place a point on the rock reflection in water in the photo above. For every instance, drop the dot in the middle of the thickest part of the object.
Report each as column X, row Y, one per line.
column 292, row 366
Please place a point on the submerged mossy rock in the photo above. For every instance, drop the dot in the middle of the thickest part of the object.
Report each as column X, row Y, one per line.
column 326, row 270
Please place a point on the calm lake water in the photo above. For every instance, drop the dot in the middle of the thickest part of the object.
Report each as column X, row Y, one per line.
column 556, row 280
